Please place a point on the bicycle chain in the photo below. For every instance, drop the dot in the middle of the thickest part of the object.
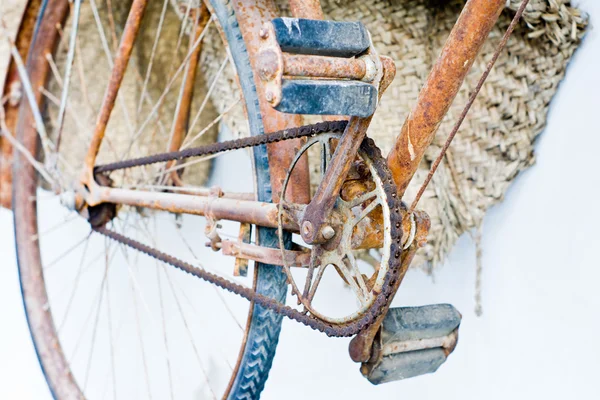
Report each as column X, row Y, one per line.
column 236, row 144
column 348, row 329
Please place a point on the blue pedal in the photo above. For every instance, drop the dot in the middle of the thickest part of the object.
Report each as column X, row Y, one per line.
column 322, row 38
column 413, row 341
column 327, row 97
column 294, row 92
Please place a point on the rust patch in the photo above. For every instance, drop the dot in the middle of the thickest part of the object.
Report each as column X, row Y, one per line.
column 309, row 9
column 251, row 16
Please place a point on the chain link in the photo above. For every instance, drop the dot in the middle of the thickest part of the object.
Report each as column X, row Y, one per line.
column 251, row 141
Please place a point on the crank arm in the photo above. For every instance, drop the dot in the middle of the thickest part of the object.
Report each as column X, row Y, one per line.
column 312, row 224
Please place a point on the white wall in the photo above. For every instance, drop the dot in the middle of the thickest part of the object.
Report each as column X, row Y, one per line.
column 538, row 335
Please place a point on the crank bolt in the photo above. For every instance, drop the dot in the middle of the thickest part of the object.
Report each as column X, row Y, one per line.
column 307, row 228
column 327, row 232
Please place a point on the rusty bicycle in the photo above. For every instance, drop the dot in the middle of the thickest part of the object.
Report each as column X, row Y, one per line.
column 162, row 146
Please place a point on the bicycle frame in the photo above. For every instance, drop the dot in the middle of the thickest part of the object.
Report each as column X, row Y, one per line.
column 468, row 35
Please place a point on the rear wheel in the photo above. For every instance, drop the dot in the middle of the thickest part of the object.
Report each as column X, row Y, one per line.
column 96, row 309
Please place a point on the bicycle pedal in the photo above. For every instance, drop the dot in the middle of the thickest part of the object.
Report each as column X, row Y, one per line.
column 321, row 38
column 301, row 62
column 413, row 341
column 324, row 97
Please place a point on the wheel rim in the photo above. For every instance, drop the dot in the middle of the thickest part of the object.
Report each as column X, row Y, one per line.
column 62, row 383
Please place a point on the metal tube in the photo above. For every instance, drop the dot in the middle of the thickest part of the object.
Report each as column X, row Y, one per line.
column 325, row 67
column 252, row 212
column 468, row 35
column 118, row 73
column 180, row 125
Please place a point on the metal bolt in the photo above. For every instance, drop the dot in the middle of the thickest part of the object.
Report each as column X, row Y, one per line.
column 307, row 228
column 327, row 232
column 263, row 33
column 270, row 97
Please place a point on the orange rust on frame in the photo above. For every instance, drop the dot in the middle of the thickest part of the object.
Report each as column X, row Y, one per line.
column 226, row 208
column 12, row 92
column 326, row 67
column 180, row 125
column 265, row 255
column 468, row 35
column 130, row 31
column 309, row 9
column 61, row 381
column 251, row 15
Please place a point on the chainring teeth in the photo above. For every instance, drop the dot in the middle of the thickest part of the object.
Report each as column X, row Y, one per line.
column 385, row 293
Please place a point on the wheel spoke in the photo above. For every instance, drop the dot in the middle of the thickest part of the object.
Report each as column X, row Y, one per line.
column 352, row 264
column 95, row 326
column 39, row 167
column 54, row 70
column 153, row 53
column 140, row 338
column 69, row 67
column 213, row 122
column 368, row 209
column 309, row 274
column 113, row 367
column 164, row 331
column 75, row 285
column 189, row 332
column 363, row 198
column 170, row 83
column 66, row 252
column 47, row 145
column 61, row 224
column 349, row 277
column 211, row 88
column 315, row 284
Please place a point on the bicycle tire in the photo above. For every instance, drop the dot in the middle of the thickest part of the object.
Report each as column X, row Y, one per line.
column 263, row 326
